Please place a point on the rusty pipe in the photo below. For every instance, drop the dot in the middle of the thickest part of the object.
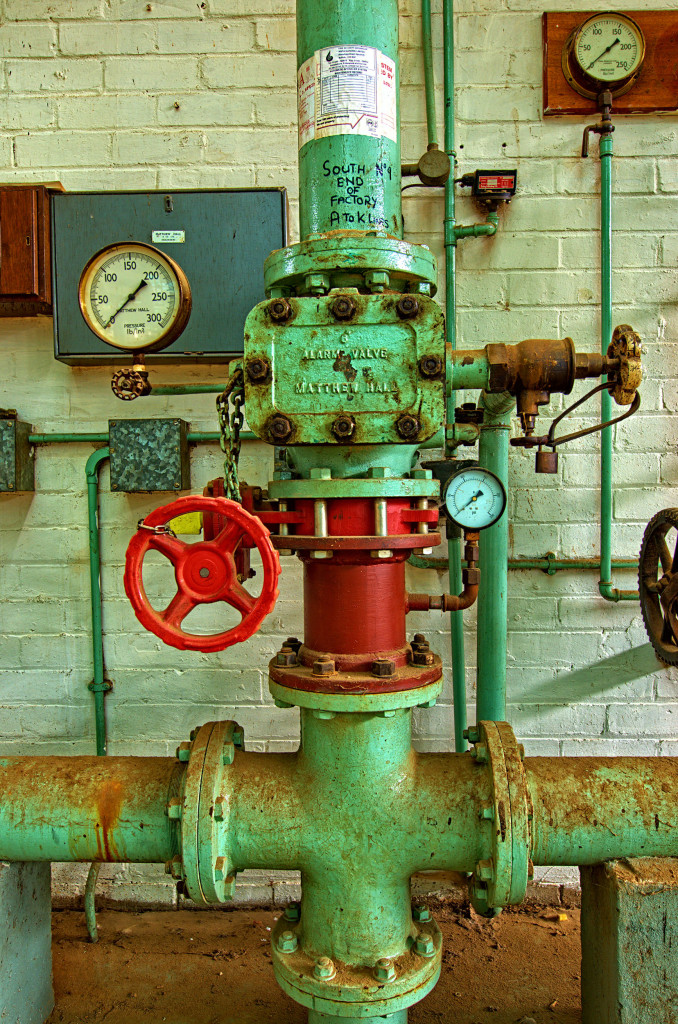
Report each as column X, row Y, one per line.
column 444, row 602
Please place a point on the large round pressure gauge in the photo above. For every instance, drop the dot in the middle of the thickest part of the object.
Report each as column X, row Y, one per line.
column 605, row 52
column 474, row 498
column 134, row 297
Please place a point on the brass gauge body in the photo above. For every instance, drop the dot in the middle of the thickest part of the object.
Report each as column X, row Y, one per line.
column 605, row 52
column 134, row 297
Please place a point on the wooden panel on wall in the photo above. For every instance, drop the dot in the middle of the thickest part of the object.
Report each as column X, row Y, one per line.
column 25, row 257
column 657, row 86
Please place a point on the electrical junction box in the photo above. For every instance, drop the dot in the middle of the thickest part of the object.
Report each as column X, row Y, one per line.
column 220, row 239
column 149, row 455
column 17, row 467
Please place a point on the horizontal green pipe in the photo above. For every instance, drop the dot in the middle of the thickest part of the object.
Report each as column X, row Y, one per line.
column 187, row 389
column 612, row 593
column 467, row 368
column 477, row 230
column 548, row 565
column 194, row 437
column 86, row 808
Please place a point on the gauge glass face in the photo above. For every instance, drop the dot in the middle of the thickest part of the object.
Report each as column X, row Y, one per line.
column 134, row 297
column 609, row 48
column 475, row 498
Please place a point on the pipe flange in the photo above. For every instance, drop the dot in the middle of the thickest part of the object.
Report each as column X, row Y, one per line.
column 386, row 702
column 208, row 874
column 501, row 880
column 627, row 348
column 373, row 990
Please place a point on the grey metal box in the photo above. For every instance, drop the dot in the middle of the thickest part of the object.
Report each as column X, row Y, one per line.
column 228, row 235
column 17, row 466
column 149, row 455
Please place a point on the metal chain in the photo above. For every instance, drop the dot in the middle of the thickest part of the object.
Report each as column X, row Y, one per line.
column 230, row 425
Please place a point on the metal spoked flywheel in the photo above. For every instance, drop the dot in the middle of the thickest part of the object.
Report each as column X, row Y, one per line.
column 658, row 583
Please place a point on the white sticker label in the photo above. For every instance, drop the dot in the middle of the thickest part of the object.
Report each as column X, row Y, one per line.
column 168, row 236
column 347, row 90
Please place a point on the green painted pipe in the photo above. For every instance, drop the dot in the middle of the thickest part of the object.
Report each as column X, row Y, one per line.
column 331, row 168
column 478, row 230
column 607, row 590
column 90, row 905
column 429, row 82
column 548, row 565
column 87, row 808
column 194, row 437
column 187, row 389
column 492, row 597
column 467, row 369
column 99, row 685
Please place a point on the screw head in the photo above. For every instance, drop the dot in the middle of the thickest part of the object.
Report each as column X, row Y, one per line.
column 407, row 307
column 324, row 969
column 258, row 369
column 407, row 426
column 287, row 942
column 343, row 307
column 286, row 656
column 421, row 913
column 279, row 310
column 384, row 970
column 292, row 912
column 424, row 945
column 419, row 638
column 383, row 667
column 323, row 666
column 280, row 429
column 343, row 427
column 431, row 366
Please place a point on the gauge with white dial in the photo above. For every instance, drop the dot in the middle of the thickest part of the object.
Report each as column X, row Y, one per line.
column 134, row 297
column 475, row 498
column 605, row 52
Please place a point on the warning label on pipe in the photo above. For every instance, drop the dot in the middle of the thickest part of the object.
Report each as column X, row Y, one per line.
column 347, row 90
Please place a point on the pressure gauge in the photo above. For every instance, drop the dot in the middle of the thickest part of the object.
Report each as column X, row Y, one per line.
column 474, row 498
column 134, row 297
column 605, row 52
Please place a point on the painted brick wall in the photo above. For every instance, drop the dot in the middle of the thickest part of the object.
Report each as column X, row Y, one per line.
column 124, row 94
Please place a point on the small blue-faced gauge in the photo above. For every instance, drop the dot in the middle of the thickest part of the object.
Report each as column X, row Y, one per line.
column 474, row 498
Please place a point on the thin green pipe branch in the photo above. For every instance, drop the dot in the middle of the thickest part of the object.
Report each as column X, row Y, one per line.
column 429, row 83
column 99, row 685
column 549, row 565
column 193, row 437
column 605, row 586
column 477, row 230
column 186, row 389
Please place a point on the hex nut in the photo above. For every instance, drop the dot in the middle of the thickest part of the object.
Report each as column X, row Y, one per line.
column 384, row 970
column 286, row 656
column 419, row 638
column 174, row 808
column 407, row 307
column 220, row 869
column 485, row 870
column 219, row 808
column 258, row 370
column 431, row 366
column 287, row 942
column 292, row 912
column 424, row 945
column 343, row 427
column 294, row 642
column 343, row 307
column 420, row 645
column 280, row 428
column 383, row 667
column 323, row 666
column 421, row 913
column 184, row 751
column 279, row 310
column 324, row 969
column 423, row 657
column 407, row 426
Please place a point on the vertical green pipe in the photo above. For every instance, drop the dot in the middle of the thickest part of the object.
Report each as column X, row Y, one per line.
column 99, row 686
column 429, row 84
column 605, row 587
column 453, row 540
column 492, row 596
column 350, row 181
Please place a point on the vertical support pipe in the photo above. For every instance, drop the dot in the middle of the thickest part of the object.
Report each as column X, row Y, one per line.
column 605, row 587
column 492, row 597
column 99, row 686
column 453, row 538
column 429, row 84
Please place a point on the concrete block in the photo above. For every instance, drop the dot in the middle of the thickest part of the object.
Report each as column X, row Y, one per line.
column 629, row 935
column 26, row 995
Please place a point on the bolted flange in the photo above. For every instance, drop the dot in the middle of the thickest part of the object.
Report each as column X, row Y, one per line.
column 431, row 366
column 292, row 912
column 184, row 751
column 280, row 429
column 286, row 656
column 423, row 657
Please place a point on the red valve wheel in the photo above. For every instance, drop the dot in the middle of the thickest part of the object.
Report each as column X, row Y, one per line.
column 205, row 572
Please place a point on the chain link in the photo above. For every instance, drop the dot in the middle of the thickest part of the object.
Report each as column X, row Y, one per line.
column 230, row 425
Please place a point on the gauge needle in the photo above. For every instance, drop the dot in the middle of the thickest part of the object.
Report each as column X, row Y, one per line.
column 475, row 497
column 602, row 54
column 142, row 284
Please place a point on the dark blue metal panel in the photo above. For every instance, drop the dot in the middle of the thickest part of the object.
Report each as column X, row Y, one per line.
column 149, row 455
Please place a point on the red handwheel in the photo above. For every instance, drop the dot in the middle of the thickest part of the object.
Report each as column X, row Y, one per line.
column 205, row 572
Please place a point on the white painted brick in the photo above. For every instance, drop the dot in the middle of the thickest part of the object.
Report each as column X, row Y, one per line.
column 29, row 10
column 653, row 720
column 27, row 40
column 244, row 72
column 83, row 39
column 30, row 113
column 204, row 109
column 205, row 37
column 153, row 74
column 608, row 747
column 158, row 147
column 279, row 34
column 62, row 149
column 556, row 720
column 106, row 111
column 52, row 75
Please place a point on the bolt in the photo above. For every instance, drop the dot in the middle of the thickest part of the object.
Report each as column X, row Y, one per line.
column 279, row 310
column 181, row 889
column 174, row 808
column 323, row 666
column 430, row 366
column 407, row 307
column 485, row 870
column 384, row 970
column 423, row 657
column 420, row 645
column 421, row 913
column 280, row 428
column 287, row 942
column 292, row 912
column 486, row 812
column 324, row 969
column 176, row 868
column 294, row 642
column 219, row 808
column 238, row 736
column 383, row 667
column 479, row 752
column 407, row 426
column 343, row 307
column 521, row 751
column 286, row 656
column 471, row 734
column 424, row 945
column 220, row 869
column 184, row 751
column 258, row 369
column 343, row 427
column 419, row 638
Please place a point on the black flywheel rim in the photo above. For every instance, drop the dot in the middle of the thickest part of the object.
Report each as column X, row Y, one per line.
column 658, row 584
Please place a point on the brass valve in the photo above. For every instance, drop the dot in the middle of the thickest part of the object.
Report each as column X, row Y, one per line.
column 625, row 348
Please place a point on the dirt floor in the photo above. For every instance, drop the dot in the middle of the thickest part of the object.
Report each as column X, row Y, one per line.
column 211, row 967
